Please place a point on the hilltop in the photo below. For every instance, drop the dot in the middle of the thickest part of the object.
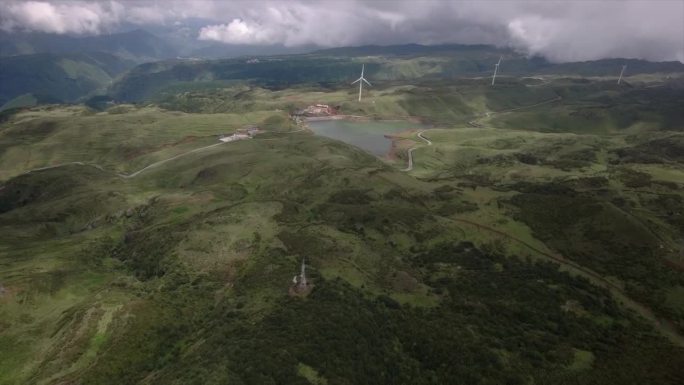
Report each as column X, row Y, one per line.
column 536, row 239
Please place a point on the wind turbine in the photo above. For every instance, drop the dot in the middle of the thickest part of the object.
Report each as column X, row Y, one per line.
column 621, row 73
column 496, row 69
column 361, row 80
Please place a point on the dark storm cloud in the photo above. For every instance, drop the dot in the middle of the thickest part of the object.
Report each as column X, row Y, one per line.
column 558, row 30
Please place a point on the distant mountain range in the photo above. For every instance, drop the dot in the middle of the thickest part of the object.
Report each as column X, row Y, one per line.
column 137, row 45
column 403, row 63
column 222, row 51
column 40, row 67
column 37, row 67
column 406, row 49
column 56, row 77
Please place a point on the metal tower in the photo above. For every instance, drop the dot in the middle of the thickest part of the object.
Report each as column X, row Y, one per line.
column 302, row 276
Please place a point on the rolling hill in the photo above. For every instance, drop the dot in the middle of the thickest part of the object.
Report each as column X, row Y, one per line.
column 181, row 274
column 538, row 238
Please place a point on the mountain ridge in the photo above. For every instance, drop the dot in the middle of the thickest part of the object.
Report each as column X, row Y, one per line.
column 137, row 45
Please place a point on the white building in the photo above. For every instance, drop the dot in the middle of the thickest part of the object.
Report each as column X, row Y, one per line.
column 234, row 137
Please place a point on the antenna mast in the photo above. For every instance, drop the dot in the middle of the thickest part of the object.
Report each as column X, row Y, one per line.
column 302, row 276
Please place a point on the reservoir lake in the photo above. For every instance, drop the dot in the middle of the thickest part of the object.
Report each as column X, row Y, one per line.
column 367, row 135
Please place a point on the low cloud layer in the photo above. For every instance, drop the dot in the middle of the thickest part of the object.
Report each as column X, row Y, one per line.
column 41, row 16
column 558, row 30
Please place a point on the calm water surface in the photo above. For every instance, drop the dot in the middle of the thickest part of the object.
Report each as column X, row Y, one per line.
column 369, row 136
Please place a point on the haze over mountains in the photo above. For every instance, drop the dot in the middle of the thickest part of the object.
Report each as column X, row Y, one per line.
column 64, row 68
column 137, row 45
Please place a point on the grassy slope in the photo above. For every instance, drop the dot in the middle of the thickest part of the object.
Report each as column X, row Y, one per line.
column 604, row 194
column 197, row 258
column 181, row 274
column 123, row 139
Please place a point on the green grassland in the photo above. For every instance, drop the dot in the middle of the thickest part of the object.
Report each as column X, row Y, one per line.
column 588, row 109
column 607, row 195
column 122, row 139
column 182, row 277
column 444, row 274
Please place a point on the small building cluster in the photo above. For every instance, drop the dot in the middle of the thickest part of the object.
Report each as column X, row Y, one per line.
column 240, row 134
column 317, row 110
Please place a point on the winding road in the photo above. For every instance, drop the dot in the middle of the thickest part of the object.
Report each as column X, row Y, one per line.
column 473, row 123
column 155, row 164
column 410, row 151
column 131, row 175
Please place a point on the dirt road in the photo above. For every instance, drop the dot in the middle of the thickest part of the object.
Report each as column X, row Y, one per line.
column 474, row 123
column 410, row 151
column 135, row 173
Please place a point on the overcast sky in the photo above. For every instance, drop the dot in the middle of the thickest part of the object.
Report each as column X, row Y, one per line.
column 558, row 30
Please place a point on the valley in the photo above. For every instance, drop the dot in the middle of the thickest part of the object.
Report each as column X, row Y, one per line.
column 527, row 233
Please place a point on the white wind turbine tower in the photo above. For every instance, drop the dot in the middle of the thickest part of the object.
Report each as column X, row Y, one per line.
column 496, row 69
column 621, row 73
column 361, row 80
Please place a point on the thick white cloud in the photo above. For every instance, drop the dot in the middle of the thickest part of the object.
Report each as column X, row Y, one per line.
column 325, row 24
column 653, row 30
column 42, row 16
column 558, row 30
column 238, row 32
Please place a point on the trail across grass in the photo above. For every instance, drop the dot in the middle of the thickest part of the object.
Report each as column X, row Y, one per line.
column 474, row 123
column 131, row 175
column 136, row 173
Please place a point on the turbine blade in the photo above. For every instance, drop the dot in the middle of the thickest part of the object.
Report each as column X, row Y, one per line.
column 366, row 81
column 356, row 80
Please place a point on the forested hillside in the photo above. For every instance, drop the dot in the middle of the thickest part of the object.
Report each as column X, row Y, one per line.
column 56, row 77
